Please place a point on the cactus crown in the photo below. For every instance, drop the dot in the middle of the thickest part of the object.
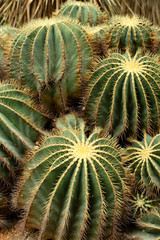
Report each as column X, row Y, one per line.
column 85, row 173
column 84, row 12
column 121, row 92
column 129, row 31
column 144, row 161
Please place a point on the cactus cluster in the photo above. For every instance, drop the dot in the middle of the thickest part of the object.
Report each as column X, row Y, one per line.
column 79, row 123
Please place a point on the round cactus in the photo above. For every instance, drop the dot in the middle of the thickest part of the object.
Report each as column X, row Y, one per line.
column 143, row 204
column 123, row 94
column 126, row 31
column 20, row 125
column 52, row 56
column 84, row 12
column 73, row 186
column 144, row 162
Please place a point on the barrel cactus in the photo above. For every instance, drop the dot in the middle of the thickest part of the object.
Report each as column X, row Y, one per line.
column 100, row 39
column 20, row 125
column 143, row 203
column 84, row 12
column 123, row 94
column 143, row 161
column 133, row 32
column 52, row 56
column 7, row 34
column 73, row 186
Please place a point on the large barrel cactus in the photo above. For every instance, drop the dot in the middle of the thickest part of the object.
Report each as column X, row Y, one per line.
column 126, row 31
column 123, row 94
column 143, row 160
column 20, row 125
column 73, row 186
column 84, row 12
column 52, row 56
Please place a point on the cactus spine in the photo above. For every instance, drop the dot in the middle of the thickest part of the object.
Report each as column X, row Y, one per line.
column 73, row 185
column 121, row 92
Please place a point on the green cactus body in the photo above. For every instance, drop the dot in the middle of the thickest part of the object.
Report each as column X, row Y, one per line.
column 144, row 161
column 151, row 223
column 129, row 31
column 7, row 34
column 7, row 166
column 52, row 56
column 20, row 125
column 73, row 185
column 123, row 94
column 143, row 203
column 84, row 12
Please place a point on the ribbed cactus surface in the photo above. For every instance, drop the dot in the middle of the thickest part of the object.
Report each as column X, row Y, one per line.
column 73, row 186
column 123, row 94
column 144, row 162
column 6, row 35
column 52, row 56
column 100, row 39
column 129, row 31
column 151, row 223
column 84, row 12
column 20, row 125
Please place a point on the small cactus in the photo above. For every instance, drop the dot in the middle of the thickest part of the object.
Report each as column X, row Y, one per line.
column 143, row 161
column 84, row 12
column 52, row 56
column 133, row 32
column 73, row 186
column 123, row 94
column 143, row 203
